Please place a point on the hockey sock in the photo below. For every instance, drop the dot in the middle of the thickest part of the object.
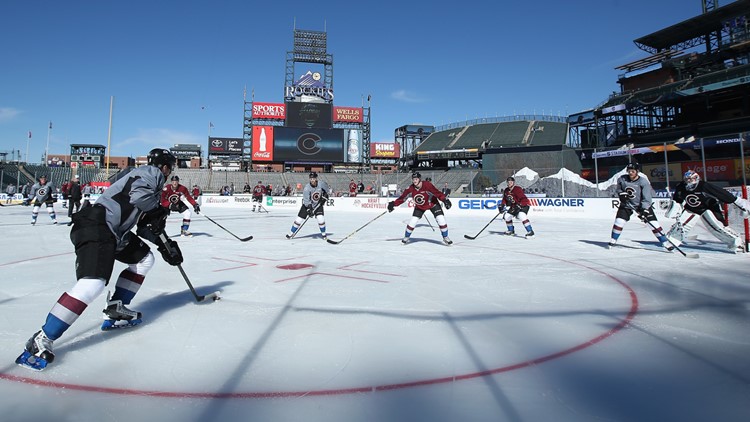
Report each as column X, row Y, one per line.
column 321, row 224
column 442, row 224
column 51, row 212
column 617, row 228
column 130, row 279
column 71, row 305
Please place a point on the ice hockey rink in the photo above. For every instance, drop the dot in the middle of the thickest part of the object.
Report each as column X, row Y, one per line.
column 557, row 328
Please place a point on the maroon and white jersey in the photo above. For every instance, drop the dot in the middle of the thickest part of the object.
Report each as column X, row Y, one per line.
column 515, row 196
column 171, row 195
column 424, row 197
column 259, row 190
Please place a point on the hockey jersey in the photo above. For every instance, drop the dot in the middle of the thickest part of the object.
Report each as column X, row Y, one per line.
column 172, row 196
column 311, row 195
column 704, row 197
column 41, row 193
column 638, row 192
column 424, row 197
column 515, row 196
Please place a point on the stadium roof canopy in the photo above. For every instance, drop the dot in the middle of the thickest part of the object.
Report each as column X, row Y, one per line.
column 691, row 32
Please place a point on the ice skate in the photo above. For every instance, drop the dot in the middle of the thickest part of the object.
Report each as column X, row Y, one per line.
column 185, row 233
column 509, row 233
column 405, row 240
column 324, row 236
column 611, row 244
column 447, row 240
column 530, row 234
column 38, row 352
column 117, row 315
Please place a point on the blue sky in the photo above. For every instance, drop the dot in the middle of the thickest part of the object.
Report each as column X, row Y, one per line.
column 175, row 66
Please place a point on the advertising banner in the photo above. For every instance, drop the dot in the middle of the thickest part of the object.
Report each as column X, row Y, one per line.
column 263, row 143
column 225, row 145
column 269, row 111
column 715, row 169
column 348, row 114
column 385, row 150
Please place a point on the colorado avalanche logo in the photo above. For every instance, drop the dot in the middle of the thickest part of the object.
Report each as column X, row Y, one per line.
column 420, row 199
column 630, row 191
column 307, row 144
column 693, row 200
column 315, row 196
column 42, row 191
column 173, row 198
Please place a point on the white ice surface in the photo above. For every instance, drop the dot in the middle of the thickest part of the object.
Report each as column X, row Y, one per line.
column 557, row 328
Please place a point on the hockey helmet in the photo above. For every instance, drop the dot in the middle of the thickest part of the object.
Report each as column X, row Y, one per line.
column 313, row 175
column 160, row 156
column 633, row 166
column 691, row 179
column 510, row 179
column 416, row 175
column 176, row 178
column 44, row 176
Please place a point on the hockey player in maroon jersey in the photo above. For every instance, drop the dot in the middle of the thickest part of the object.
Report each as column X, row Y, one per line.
column 258, row 191
column 425, row 196
column 352, row 188
column 171, row 197
column 518, row 206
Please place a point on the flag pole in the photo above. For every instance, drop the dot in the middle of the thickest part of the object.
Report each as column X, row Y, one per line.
column 46, row 149
column 27, row 147
column 109, row 132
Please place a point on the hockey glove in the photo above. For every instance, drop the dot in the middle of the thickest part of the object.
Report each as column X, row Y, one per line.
column 391, row 206
column 447, row 203
column 744, row 206
column 197, row 208
column 310, row 211
column 156, row 219
column 645, row 215
column 26, row 202
column 171, row 252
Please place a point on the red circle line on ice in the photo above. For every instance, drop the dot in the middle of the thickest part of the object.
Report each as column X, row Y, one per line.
column 374, row 388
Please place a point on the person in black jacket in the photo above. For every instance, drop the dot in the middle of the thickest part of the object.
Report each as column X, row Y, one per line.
column 74, row 196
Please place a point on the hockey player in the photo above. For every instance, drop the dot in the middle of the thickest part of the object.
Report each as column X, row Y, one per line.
column 171, row 198
column 258, row 191
column 41, row 193
column 517, row 204
column 425, row 196
column 314, row 196
column 101, row 235
column 74, row 197
column 695, row 199
column 634, row 192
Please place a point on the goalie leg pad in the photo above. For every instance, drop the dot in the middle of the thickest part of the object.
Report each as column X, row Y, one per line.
column 724, row 234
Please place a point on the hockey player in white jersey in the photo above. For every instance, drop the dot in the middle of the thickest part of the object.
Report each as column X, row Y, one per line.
column 695, row 199
column 634, row 192
column 314, row 196
column 41, row 193
column 101, row 234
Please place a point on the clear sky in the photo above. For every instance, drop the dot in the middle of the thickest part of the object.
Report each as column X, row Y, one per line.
column 174, row 66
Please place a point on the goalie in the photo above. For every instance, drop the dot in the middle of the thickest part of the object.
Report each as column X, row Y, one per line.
column 695, row 199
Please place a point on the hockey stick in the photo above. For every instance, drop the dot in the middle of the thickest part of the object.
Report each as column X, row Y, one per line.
column 480, row 231
column 9, row 205
column 298, row 228
column 428, row 222
column 335, row 242
column 661, row 232
column 200, row 298
column 241, row 239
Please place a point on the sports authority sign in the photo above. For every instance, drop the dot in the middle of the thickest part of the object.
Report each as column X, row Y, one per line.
column 385, row 150
column 269, row 111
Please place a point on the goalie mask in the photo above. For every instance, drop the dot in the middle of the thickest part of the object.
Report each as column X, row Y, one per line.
column 691, row 179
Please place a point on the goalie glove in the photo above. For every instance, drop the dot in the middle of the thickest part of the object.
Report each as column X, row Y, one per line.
column 673, row 210
column 744, row 205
